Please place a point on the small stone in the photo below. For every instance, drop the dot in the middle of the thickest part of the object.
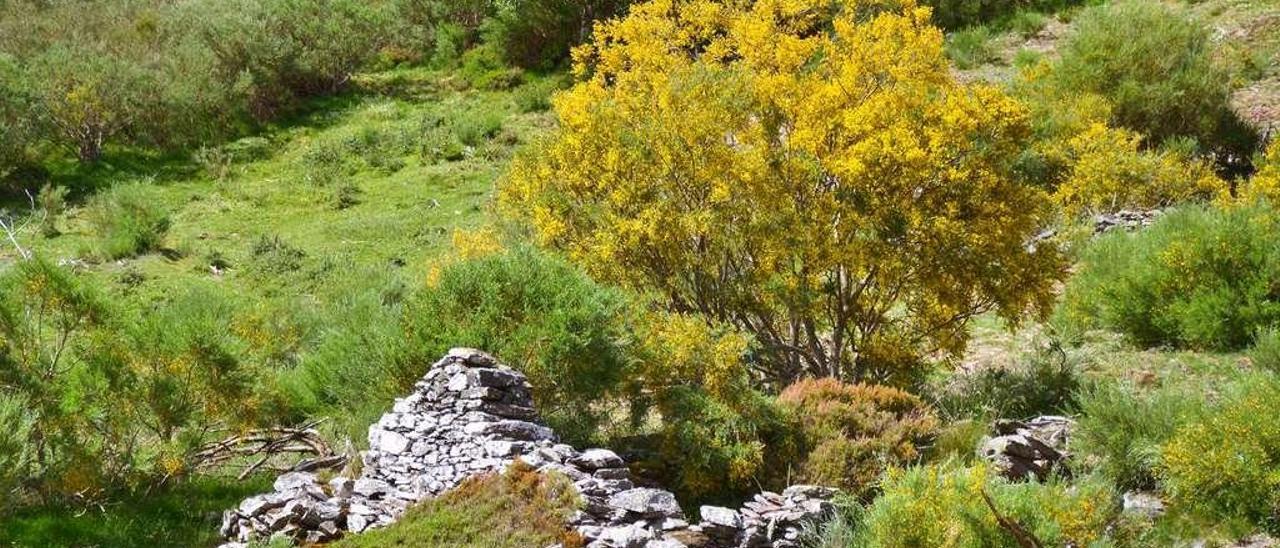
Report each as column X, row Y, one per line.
column 594, row 459
column 255, row 506
column 371, row 488
column 392, row 442
column 342, row 487
column 613, row 473
column 721, row 516
column 647, row 502
column 294, row 480
column 1147, row 505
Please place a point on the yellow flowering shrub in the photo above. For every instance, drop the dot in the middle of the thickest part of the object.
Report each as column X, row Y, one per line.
column 942, row 505
column 1109, row 172
column 1227, row 466
column 1265, row 183
column 813, row 177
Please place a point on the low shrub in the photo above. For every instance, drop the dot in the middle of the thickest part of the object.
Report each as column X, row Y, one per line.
column 943, row 505
column 1200, row 278
column 1043, row 381
column 851, row 432
column 971, row 47
column 126, row 222
column 1226, row 466
column 273, row 256
column 1121, row 430
column 1265, row 353
column 515, row 509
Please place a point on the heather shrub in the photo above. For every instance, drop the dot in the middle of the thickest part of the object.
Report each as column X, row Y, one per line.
column 517, row 508
column 943, row 505
column 126, row 222
column 851, row 432
column 1226, row 466
column 1200, row 278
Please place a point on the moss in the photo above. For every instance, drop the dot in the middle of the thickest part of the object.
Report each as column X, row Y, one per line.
column 515, row 509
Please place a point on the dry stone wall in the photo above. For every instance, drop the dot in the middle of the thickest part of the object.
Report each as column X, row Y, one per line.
column 470, row 415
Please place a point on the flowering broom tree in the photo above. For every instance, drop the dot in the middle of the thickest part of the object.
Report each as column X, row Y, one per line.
column 806, row 170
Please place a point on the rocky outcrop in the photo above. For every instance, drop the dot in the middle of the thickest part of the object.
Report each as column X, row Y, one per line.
column 1125, row 220
column 1032, row 449
column 469, row 416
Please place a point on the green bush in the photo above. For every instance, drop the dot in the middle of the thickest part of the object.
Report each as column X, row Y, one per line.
column 532, row 310
column 1042, row 381
column 17, row 455
column 1155, row 65
column 956, row 14
column 1121, row 430
column 943, row 505
column 1201, row 278
column 270, row 255
column 1265, row 353
column 1227, row 465
column 539, row 33
column 716, row 450
column 851, row 433
column 126, row 222
column 970, row 47
column 483, row 67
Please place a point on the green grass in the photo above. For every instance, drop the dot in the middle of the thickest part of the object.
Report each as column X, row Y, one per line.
column 398, row 206
column 186, row 515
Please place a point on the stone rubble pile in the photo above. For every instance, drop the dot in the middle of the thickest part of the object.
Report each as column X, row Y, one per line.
column 470, row 416
column 1126, row 220
column 1032, row 449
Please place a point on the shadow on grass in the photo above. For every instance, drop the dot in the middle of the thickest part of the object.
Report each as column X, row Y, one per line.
column 187, row 515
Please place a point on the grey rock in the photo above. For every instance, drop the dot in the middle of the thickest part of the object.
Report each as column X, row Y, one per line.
column 647, row 502
column 594, row 459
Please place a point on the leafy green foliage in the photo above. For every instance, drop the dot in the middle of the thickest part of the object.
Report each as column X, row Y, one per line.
column 1201, row 277
column 1265, row 352
column 1121, row 430
column 970, row 47
column 956, row 14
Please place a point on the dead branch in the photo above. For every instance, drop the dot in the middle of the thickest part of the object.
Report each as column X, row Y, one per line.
column 1024, row 537
column 265, row 445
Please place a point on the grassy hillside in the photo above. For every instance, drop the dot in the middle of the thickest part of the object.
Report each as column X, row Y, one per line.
column 308, row 265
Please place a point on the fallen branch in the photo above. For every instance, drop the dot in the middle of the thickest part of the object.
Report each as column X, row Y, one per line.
column 267, row 444
column 1024, row 537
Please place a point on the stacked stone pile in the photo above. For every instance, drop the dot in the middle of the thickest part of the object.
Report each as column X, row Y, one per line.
column 470, row 416
column 1031, row 449
column 1125, row 220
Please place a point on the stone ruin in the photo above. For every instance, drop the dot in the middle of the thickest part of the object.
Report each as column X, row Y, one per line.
column 470, row 416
